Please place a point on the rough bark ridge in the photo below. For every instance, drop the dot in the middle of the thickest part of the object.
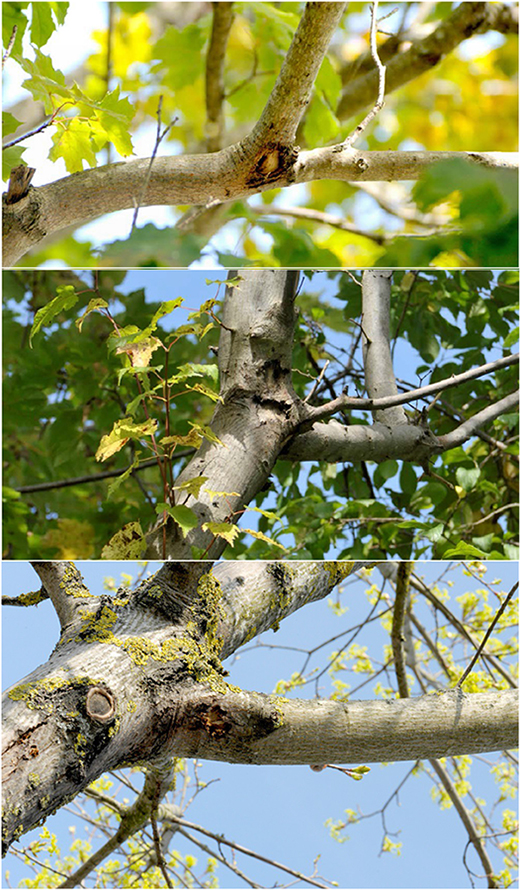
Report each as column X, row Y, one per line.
column 260, row 418
column 138, row 679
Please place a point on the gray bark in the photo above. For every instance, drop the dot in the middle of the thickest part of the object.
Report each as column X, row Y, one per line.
column 260, row 418
column 138, row 679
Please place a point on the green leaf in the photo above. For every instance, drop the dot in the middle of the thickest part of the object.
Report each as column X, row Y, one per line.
column 96, row 303
column 11, row 157
column 511, row 338
column 128, row 543
column 463, row 550
column 115, row 115
column 185, row 518
column 65, row 299
column 179, row 52
column 118, row 481
column 467, row 479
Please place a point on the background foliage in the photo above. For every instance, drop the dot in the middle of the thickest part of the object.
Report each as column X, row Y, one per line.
column 73, row 386
column 459, row 215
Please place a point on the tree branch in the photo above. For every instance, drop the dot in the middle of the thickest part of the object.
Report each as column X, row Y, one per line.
column 471, row 426
column 215, row 59
column 377, row 357
column 223, row 176
column 467, row 19
column 65, row 587
column 345, row 401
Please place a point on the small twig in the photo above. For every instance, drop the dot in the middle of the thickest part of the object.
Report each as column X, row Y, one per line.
column 39, row 129
column 317, row 381
column 402, row 588
column 380, row 101
column 486, row 636
column 158, row 139
column 10, row 45
column 156, row 838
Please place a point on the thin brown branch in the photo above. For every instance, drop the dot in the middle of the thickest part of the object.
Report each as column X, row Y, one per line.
column 10, row 45
column 160, row 134
column 97, row 477
column 486, row 636
column 402, row 588
column 215, row 59
column 345, row 401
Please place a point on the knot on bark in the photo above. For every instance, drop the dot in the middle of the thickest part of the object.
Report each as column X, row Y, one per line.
column 273, row 161
column 101, row 704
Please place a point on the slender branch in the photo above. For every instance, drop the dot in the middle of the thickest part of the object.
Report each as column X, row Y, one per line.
column 10, row 45
column 466, row 20
column 97, row 477
column 215, row 94
column 465, row 818
column 486, row 636
column 319, row 216
column 470, row 427
column 241, row 849
column 158, row 139
column 345, row 401
column 402, row 588
column 381, row 85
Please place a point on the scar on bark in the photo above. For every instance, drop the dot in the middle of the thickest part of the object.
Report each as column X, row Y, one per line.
column 273, row 161
column 19, row 183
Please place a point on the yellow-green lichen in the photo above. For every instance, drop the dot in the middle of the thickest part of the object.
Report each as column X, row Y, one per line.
column 33, row 694
column 34, row 779
column 97, row 625
column 80, row 745
column 73, row 584
column 131, row 707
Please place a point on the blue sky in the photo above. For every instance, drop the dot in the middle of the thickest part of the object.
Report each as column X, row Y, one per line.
column 280, row 811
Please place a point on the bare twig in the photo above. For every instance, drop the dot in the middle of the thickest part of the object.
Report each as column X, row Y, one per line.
column 156, row 837
column 10, row 45
column 97, row 477
column 158, row 139
column 380, row 101
column 345, row 401
column 402, row 587
column 476, row 656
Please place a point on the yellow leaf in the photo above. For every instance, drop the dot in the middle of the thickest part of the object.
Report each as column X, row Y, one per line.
column 128, row 543
column 222, row 530
column 72, row 539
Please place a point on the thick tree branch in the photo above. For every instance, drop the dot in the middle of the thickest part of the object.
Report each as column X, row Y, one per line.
column 65, row 587
column 218, row 177
column 292, row 91
column 377, row 357
column 215, row 59
column 465, row 20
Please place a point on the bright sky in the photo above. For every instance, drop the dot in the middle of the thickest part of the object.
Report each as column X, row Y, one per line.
column 280, row 811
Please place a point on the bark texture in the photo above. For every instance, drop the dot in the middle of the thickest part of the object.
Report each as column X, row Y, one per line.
column 138, row 679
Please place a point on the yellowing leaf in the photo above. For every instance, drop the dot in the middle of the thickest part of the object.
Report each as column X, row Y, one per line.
column 262, row 537
column 128, row 543
column 141, row 352
column 121, row 432
column 192, row 486
column 222, row 530
column 207, row 432
column 73, row 142
column 193, row 439
column 72, row 539
column 206, row 391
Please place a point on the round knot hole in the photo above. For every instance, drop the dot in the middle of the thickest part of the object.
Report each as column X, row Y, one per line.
column 101, row 704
